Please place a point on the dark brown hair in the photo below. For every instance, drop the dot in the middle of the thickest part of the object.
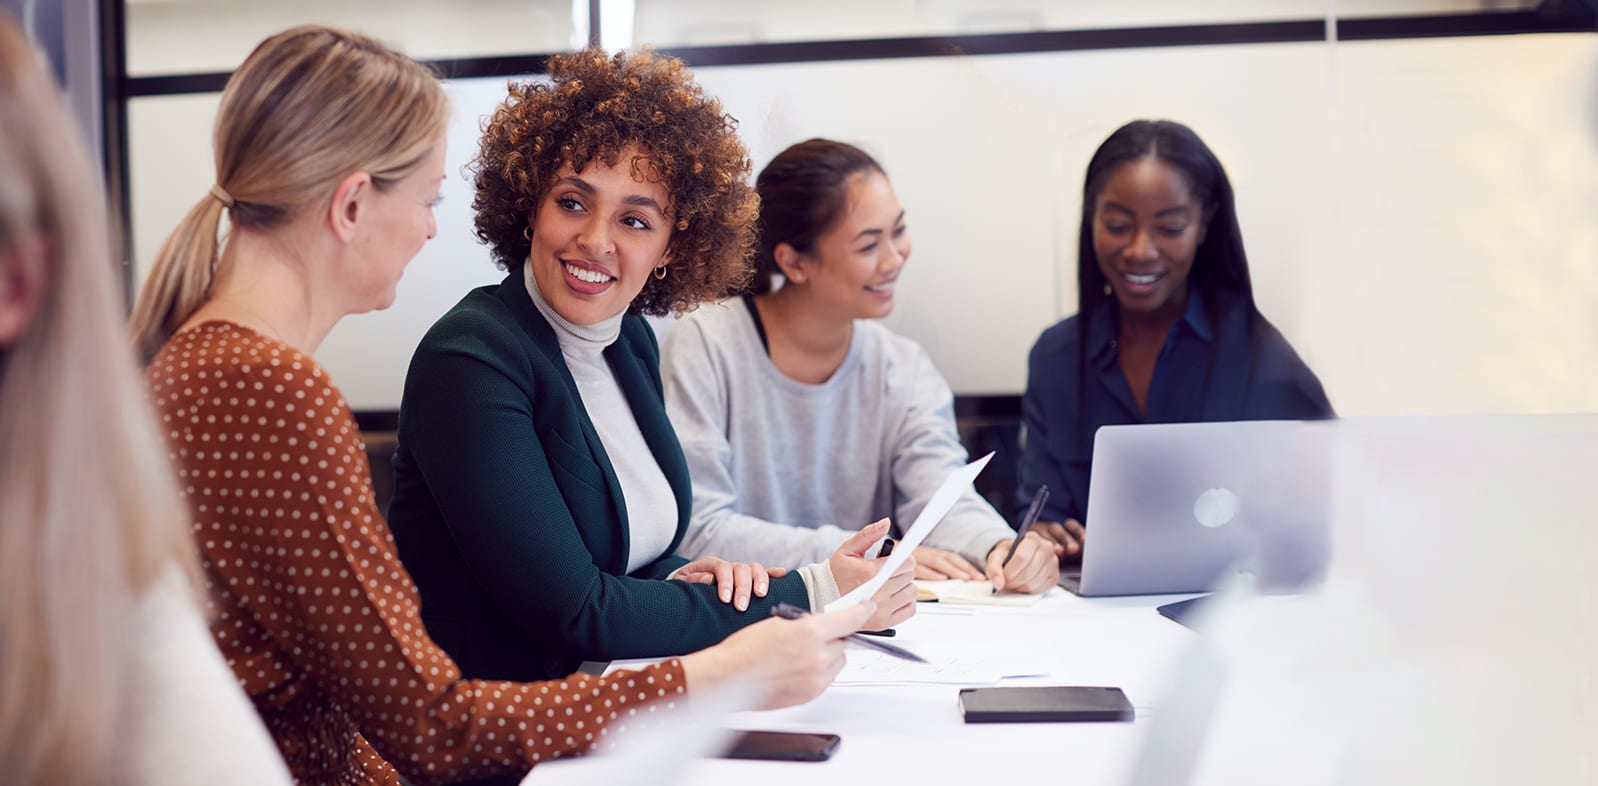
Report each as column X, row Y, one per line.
column 594, row 106
column 802, row 192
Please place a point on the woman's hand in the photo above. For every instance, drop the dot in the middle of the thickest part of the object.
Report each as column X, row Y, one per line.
column 850, row 568
column 937, row 565
column 1034, row 568
column 896, row 600
column 1068, row 536
column 734, row 581
column 795, row 659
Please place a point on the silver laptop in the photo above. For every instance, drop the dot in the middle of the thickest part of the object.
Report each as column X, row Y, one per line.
column 1175, row 507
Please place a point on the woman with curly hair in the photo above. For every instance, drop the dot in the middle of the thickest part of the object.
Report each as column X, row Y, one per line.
column 329, row 157
column 540, row 491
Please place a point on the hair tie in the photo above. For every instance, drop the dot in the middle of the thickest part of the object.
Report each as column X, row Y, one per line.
column 221, row 195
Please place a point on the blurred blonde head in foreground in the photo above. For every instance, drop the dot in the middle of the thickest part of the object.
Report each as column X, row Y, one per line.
column 89, row 518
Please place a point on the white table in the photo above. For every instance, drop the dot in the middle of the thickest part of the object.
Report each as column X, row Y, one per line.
column 914, row 733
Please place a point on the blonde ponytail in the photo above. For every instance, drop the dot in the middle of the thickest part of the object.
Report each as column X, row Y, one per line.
column 309, row 106
column 180, row 279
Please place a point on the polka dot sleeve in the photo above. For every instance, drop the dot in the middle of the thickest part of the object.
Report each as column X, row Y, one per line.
column 315, row 614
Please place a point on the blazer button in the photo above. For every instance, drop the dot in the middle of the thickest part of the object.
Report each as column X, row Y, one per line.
column 554, row 667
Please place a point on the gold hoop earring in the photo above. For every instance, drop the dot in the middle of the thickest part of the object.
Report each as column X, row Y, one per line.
column 660, row 271
column 527, row 233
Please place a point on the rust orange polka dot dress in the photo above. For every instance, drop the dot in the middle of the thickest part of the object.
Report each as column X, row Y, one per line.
column 310, row 604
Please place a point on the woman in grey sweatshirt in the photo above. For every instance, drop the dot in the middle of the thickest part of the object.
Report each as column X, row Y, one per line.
column 803, row 418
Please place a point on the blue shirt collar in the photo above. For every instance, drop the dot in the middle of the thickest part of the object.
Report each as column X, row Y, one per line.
column 1101, row 328
column 1197, row 317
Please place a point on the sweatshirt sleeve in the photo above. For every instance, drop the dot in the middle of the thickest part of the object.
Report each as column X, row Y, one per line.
column 925, row 449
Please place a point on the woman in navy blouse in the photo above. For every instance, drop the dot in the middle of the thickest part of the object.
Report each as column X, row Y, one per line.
column 1166, row 329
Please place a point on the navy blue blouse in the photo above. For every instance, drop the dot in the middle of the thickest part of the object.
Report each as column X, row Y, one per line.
column 1221, row 365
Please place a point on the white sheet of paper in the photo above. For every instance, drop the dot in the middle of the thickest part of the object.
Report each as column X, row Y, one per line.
column 945, row 497
column 952, row 666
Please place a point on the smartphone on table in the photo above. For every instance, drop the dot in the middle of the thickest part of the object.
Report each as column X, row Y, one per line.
column 783, row 746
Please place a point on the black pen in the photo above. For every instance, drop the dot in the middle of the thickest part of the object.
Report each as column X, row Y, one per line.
column 1027, row 521
column 790, row 612
column 887, row 548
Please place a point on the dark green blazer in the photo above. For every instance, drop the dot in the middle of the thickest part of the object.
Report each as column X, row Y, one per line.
column 509, row 516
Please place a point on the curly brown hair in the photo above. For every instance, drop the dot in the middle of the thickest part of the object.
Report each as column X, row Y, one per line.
column 594, row 106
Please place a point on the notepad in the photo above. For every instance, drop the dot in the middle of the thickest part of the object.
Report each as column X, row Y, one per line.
column 978, row 593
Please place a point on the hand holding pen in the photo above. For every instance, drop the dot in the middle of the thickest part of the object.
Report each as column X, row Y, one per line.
column 851, row 567
column 884, row 550
column 1037, row 569
column 794, row 661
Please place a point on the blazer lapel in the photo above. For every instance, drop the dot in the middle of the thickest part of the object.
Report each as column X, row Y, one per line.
column 513, row 291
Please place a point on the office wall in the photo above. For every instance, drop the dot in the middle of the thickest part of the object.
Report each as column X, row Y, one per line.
column 1421, row 215
column 696, row 22
column 199, row 36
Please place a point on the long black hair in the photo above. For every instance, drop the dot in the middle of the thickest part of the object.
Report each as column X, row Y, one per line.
column 1220, row 268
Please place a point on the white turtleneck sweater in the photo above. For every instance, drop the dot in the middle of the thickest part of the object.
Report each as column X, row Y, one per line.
column 651, row 506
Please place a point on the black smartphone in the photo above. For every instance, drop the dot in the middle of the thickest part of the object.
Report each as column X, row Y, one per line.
column 783, row 746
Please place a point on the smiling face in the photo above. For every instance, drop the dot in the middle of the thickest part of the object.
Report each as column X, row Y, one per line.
column 1147, row 228
column 597, row 237
column 854, row 264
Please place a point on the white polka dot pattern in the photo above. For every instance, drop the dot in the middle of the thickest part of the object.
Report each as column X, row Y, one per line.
column 311, row 606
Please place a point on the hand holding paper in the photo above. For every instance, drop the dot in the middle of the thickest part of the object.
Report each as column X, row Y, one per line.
column 942, row 500
column 895, row 598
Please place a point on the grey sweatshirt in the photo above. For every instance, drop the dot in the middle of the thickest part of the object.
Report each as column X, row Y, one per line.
column 784, row 471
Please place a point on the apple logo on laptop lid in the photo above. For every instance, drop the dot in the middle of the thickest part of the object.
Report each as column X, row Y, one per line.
column 1215, row 508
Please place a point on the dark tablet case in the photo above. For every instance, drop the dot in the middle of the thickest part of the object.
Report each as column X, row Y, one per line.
column 1044, row 704
column 1182, row 611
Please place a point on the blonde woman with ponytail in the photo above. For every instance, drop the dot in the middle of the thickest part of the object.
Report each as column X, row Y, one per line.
column 107, row 674
column 283, row 138
column 330, row 153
